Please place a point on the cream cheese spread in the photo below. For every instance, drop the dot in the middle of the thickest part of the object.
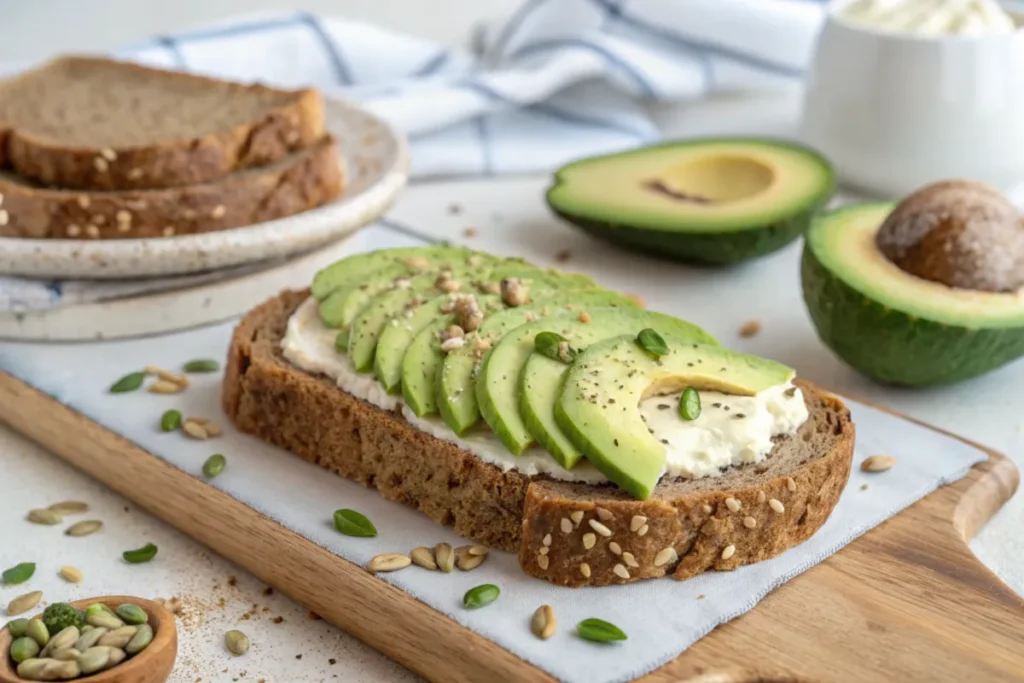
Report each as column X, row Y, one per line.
column 730, row 430
column 931, row 17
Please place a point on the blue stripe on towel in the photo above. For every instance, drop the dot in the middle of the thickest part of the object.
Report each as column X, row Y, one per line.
column 632, row 71
column 341, row 69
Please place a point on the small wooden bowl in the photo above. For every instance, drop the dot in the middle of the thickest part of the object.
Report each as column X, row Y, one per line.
column 152, row 665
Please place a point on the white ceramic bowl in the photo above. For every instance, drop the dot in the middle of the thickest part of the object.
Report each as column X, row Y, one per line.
column 895, row 111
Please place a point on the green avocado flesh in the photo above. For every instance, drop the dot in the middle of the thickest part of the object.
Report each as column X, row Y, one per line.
column 517, row 386
column 715, row 201
column 599, row 402
column 893, row 326
column 456, row 397
column 362, row 266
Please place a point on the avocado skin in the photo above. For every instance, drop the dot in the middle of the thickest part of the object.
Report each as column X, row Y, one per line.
column 894, row 347
column 713, row 249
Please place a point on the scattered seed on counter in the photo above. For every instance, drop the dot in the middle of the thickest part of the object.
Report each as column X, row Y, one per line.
column 877, row 463
column 751, row 328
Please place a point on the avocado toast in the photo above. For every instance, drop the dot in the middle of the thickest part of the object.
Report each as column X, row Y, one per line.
column 625, row 486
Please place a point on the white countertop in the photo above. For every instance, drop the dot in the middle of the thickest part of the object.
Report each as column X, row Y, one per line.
column 510, row 218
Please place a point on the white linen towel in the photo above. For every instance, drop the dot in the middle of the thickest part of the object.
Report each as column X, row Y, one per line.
column 555, row 81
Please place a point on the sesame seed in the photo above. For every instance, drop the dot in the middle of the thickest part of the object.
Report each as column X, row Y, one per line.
column 4, row 217
column 665, row 555
column 706, row 509
column 544, row 550
column 589, row 540
column 790, row 484
column 98, row 219
column 543, row 561
column 615, row 548
column 761, row 497
column 101, row 164
column 604, row 515
column 729, row 551
column 620, row 571
column 600, row 528
column 74, row 230
column 168, row 231
column 749, row 522
column 123, row 216
column 218, row 211
column 92, row 231
column 733, row 504
column 637, row 522
column 566, row 525
column 124, row 227
column 630, row 561
column 83, row 201
column 585, row 569
column 642, row 531
column 108, row 154
column 135, row 174
column 776, row 505
column 547, row 540
column 577, row 517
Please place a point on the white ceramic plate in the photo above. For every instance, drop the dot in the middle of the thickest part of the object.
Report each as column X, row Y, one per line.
column 377, row 162
column 161, row 312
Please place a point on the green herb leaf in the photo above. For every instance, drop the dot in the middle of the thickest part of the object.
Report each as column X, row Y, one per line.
column 651, row 342
column 170, row 420
column 214, row 465
column 689, row 404
column 19, row 573
column 481, row 595
column 554, row 346
column 351, row 523
column 201, row 365
column 140, row 555
column 129, row 382
column 599, row 631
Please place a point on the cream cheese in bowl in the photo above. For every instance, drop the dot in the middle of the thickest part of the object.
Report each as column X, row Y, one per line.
column 931, row 17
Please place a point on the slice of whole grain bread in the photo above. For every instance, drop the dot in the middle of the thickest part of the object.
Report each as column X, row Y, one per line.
column 99, row 124
column 593, row 535
column 303, row 180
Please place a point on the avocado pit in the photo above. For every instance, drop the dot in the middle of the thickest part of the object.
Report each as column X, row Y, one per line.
column 962, row 234
column 715, row 179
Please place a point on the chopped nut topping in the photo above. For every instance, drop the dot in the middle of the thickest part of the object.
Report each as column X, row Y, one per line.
column 638, row 299
column 750, row 329
column 417, row 262
column 584, row 317
column 470, row 232
column 489, row 287
column 453, row 344
column 453, row 332
column 514, row 292
column 474, row 260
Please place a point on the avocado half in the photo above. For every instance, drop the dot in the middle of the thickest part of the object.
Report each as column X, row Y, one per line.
column 710, row 201
column 893, row 326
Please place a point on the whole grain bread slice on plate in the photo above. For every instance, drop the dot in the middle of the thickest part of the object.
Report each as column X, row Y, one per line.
column 100, row 124
column 303, row 180
column 571, row 534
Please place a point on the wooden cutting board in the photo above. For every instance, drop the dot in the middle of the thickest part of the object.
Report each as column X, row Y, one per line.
column 907, row 601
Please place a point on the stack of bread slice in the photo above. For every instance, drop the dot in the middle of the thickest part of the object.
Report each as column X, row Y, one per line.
column 94, row 148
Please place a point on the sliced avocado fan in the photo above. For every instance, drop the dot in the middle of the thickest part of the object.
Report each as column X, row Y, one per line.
column 598, row 407
column 715, row 200
column 519, row 405
column 456, row 395
column 361, row 266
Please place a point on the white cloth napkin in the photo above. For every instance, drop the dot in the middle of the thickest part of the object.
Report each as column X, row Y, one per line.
column 662, row 617
column 555, row 81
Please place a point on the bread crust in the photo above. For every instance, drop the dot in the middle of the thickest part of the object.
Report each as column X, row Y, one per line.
column 310, row 178
column 270, row 136
column 308, row 415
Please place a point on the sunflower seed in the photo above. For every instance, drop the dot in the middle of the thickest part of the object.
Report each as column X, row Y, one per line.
column 164, row 387
column 445, row 557
column 577, row 517
column 637, row 522
column 600, row 528
column 589, row 540
column 728, row 552
column 194, row 429
column 45, row 516
column 423, row 557
column 544, row 623
column 70, row 507
column 71, row 575
column 665, row 555
column 585, row 570
column 877, row 463
column 84, row 528
column 466, row 560
column 389, row 562
column 24, row 603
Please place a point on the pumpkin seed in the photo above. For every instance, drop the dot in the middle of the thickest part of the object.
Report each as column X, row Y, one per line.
column 24, row 603
column 141, row 640
column 689, row 404
column 119, row 637
column 89, row 638
column 652, row 342
column 84, row 528
column 170, row 420
column 17, row 627
column 214, row 465
column 48, row 670
column 44, row 516
column 423, row 557
column 201, row 365
column 70, row 507
column 599, row 630
column 24, row 648
column 139, row 555
column 129, row 382
column 68, row 654
column 481, row 595
column 71, row 575
column 544, row 623
column 37, row 631
column 131, row 614
column 236, row 642
column 445, row 557
column 94, row 659
column 19, row 573
column 389, row 562
column 352, row 523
